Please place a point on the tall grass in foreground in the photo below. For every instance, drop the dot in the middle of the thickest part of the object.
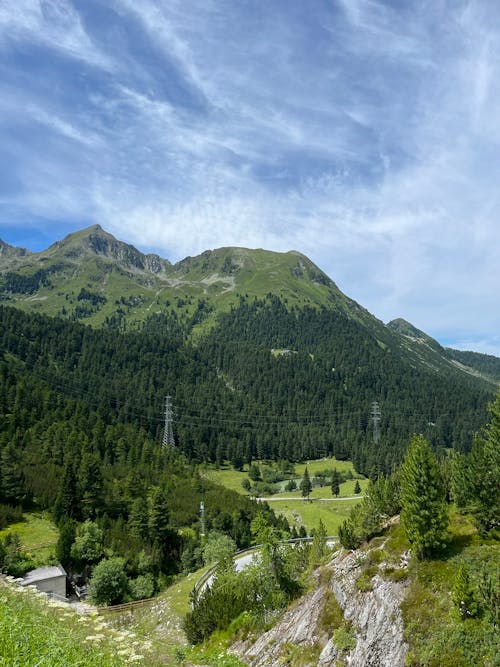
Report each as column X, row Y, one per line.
column 35, row 633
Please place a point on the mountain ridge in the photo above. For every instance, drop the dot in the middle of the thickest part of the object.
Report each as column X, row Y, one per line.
column 91, row 276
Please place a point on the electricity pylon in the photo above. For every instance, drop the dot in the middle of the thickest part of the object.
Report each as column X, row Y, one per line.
column 168, row 432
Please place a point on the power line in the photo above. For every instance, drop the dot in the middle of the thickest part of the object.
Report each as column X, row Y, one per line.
column 189, row 415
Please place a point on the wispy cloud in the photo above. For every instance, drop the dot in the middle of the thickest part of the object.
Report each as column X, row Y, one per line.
column 55, row 24
column 363, row 133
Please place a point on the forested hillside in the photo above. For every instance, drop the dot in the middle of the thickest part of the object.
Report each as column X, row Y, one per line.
column 234, row 396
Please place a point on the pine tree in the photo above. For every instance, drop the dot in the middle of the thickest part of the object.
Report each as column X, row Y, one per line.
column 336, row 479
column 67, row 505
column 424, row 512
column 319, row 546
column 484, row 474
column 91, row 486
column 11, row 485
column 305, row 484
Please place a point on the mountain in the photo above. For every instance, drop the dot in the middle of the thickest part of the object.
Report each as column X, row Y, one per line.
column 261, row 352
column 92, row 277
column 485, row 365
column 426, row 350
column 8, row 252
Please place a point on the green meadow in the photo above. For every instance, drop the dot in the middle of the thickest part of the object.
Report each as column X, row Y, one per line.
column 38, row 535
column 298, row 511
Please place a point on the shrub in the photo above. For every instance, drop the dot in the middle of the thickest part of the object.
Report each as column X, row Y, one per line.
column 143, row 587
column 344, row 638
column 109, row 582
column 9, row 514
column 364, row 581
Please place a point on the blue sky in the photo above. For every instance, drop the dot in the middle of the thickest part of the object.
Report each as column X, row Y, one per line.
column 363, row 133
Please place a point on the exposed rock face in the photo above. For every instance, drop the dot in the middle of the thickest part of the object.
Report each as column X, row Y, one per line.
column 375, row 616
column 297, row 626
column 7, row 250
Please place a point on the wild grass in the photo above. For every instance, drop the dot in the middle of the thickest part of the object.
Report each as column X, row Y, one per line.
column 160, row 623
column 436, row 634
column 34, row 633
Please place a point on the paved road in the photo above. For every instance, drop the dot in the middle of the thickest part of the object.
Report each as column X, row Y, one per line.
column 325, row 500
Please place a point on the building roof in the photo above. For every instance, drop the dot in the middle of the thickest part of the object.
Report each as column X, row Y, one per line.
column 43, row 573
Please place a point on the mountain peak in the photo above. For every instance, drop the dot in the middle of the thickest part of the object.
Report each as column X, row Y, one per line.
column 407, row 329
column 7, row 250
column 97, row 241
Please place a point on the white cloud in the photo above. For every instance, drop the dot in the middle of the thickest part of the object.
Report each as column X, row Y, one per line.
column 365, row 135
column 53, row 23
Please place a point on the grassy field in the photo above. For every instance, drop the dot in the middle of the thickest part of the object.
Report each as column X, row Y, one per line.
column 325, row 492
column 298, row 512
column 38, row 535
column 231, row 479
column 309, row 512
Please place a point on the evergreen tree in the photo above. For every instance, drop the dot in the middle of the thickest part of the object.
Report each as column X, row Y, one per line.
column 158, row 515
column 11, row 484
column 67, row 505
column 305, row 484
column 67, row 534
column 91, row 486
column 423, row 504
column 484, row 473
column 138, row 520
column 336, row 480
column 319, row 546
column 463, row 593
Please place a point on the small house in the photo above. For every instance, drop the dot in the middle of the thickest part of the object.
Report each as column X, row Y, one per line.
column 50, row 579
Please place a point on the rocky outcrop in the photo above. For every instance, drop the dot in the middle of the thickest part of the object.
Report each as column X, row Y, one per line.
column 373, row 616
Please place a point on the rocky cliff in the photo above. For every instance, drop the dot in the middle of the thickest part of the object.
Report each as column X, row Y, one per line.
column 311, row 633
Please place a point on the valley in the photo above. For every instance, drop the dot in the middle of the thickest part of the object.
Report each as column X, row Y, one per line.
column 292, row 412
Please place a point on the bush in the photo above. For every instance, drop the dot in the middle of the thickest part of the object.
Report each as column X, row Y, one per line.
column 109, row 582
column 143, row 587
column 344, row 638
column 364, row 581
column 9, row 514
column 12, row 559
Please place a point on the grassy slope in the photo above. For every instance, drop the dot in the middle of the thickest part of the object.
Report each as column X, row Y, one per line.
column 35, row 632
column 436, row 635
column 38, row 535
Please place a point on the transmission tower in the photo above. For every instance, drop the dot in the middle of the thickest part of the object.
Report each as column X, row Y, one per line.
column 202, row 519
column 375, row 416
column 168, row 433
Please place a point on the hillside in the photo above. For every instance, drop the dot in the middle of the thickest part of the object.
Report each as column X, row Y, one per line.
column 263, row 355
column 378, row 606
column 94, row 278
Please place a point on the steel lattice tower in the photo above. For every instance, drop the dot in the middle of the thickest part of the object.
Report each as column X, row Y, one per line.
column 168, row 433
column 375, row 416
